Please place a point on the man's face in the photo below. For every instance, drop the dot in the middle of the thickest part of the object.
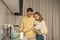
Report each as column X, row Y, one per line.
column 29, row 14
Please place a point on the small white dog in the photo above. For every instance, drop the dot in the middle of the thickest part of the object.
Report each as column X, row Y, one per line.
column 38, row 25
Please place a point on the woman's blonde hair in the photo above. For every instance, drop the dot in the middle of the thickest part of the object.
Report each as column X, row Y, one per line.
column 41, row 18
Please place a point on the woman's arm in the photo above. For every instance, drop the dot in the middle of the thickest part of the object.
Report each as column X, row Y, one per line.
column 44, row 30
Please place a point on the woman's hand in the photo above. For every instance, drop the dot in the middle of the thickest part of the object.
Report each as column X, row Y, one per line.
column 38, row 31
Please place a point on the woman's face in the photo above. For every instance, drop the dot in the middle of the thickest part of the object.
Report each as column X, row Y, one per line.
column 37, row 17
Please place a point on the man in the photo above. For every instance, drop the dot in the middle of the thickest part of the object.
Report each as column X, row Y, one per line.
column 27, row 25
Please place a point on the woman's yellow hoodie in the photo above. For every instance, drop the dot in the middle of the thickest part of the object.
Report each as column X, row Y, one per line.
column 44, row 30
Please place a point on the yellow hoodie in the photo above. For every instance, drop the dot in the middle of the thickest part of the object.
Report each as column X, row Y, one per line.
column 27, row 26
column 44, row 30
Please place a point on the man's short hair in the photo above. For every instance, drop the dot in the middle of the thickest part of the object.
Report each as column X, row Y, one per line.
column 29, row 9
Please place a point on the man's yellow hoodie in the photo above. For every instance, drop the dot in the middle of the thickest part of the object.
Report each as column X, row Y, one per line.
column 27, row 26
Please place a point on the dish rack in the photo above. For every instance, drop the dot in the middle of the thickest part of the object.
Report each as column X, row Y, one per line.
column 7, row 30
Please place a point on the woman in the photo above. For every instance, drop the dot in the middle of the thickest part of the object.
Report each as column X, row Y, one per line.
column 40, row 34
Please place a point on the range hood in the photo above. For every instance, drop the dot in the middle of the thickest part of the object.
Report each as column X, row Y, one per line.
column 20, row 13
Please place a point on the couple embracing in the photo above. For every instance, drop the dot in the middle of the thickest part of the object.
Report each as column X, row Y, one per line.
column 33, row 25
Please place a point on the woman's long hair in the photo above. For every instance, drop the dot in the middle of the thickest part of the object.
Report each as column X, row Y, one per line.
column 41, row 18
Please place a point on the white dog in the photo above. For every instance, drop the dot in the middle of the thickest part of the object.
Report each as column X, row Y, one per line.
column 38, row 25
